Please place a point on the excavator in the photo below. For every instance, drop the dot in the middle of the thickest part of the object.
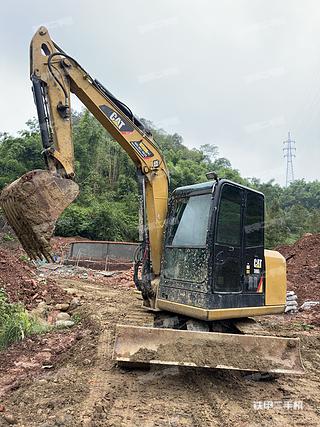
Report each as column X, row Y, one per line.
column 201, row 270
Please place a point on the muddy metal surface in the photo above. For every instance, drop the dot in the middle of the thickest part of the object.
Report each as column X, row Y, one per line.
column 83, row 387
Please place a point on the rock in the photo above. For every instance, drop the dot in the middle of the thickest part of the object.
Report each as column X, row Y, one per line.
column 10, row 419
column 106, row 273
column 291, row 297
column 64, row 420
column 197, row 325
column 71, row 291
column 43, row 356
column 52, row 316
column 62, row 316
column 167, row 321
column 291, row 309
column 50, row 404
column 74, row 303
column 41, row 311
column 62, row 307
column 47, row 366
column 42, row 305
column 309, row 304
column 292, row 304
column 64, row 323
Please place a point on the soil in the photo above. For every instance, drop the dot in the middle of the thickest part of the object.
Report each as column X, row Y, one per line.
column 19, row 279
column 82, row 385
column 303, row 267
column 303, row 274
column 69, row 378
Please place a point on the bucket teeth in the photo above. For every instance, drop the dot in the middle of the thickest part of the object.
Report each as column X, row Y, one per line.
column 32, row 205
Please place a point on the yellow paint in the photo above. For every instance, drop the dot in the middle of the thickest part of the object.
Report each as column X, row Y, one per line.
column 276, row 284
column 217, row 314
column 75, row 80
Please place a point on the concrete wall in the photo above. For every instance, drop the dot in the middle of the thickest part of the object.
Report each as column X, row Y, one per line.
column 96, row 250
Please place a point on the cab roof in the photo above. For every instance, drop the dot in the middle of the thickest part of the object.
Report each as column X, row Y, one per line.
column 206, row 187
column 196, row 187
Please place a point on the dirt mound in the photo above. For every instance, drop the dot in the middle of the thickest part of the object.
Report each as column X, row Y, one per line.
column 311, row 316
column 18, row 278
column 303, row 269
column 30, row 356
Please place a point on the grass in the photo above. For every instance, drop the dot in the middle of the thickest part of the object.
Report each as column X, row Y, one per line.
column 24, row 258
column 307, row 326
column 76, row 318
column 15, row 322
column 7, row 237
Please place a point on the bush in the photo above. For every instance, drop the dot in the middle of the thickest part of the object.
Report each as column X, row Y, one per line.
column 15, row 322
column 101, row 221
column 74, row 221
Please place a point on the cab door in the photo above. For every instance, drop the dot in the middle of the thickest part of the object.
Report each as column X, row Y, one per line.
column 254, row 262
column 228, row 241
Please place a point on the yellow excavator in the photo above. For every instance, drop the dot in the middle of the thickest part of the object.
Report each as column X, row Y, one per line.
column 201, row 269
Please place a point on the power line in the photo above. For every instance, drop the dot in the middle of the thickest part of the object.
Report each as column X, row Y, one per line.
column 289, row 153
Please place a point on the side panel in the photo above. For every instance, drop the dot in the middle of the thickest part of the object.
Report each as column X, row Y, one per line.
column 276, row 282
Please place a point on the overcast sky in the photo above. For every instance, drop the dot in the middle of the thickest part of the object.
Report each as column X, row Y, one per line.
column 238, row 74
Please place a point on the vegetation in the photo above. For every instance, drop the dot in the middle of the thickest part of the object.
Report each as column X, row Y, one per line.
column 107, row 207
column 15, row 322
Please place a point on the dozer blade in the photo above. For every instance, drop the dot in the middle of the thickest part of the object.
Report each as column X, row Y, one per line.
column 32, row 205
column 146, row 345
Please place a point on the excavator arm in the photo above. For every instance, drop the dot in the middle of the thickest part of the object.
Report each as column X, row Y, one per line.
column 55, row 75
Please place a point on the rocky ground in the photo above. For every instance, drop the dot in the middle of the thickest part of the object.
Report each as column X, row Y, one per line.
column 68, row 378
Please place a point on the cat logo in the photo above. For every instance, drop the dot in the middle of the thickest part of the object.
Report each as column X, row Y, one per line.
column 257, row 263
column 117, row 120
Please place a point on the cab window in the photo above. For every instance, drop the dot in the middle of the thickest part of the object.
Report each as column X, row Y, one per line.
column 229, row 217
column 254, row 220
column 190, row 221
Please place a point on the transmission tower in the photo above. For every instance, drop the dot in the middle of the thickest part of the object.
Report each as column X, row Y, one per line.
column 289, row 153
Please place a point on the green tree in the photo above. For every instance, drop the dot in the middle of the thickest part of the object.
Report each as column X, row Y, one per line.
column 107, row 207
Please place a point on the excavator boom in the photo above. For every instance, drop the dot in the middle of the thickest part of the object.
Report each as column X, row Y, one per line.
column 33, row 203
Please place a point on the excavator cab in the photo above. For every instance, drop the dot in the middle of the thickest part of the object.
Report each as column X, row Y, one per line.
column 213, row 258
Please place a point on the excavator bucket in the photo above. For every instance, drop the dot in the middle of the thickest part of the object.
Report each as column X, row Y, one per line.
column 145, row 345
column 32, row 205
